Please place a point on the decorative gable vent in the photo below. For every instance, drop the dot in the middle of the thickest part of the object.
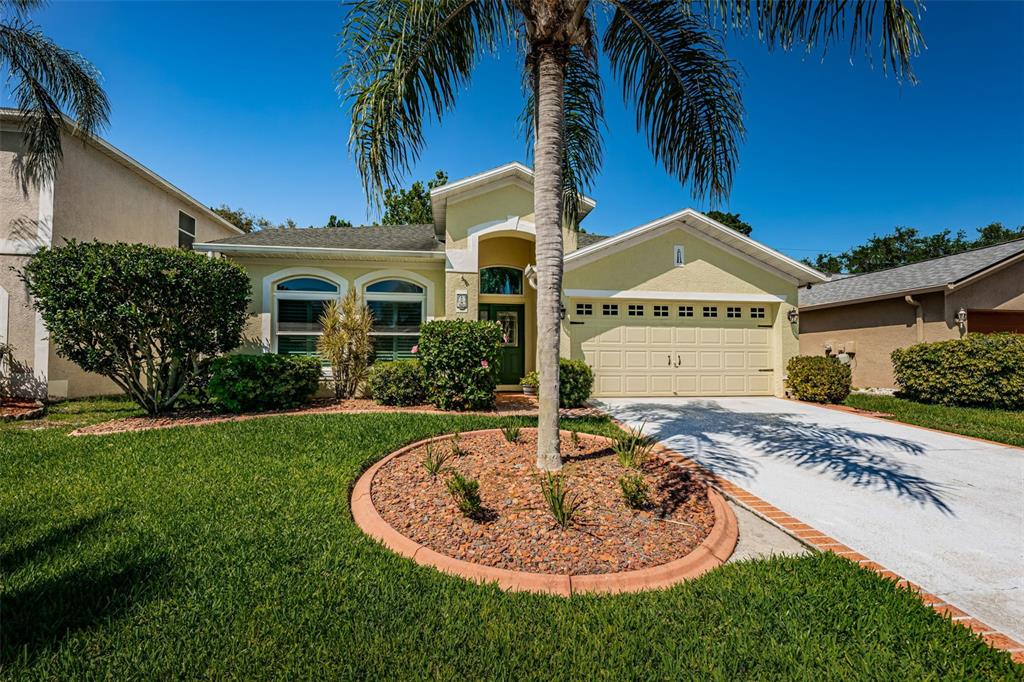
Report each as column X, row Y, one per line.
column 677, row 256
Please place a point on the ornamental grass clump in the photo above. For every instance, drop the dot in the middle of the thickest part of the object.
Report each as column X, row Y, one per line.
column 511, row 432
column 562, row 503
column 456, row 448
column 466, row 493
column 635, row 491
column 633, row 449
column 434, row 459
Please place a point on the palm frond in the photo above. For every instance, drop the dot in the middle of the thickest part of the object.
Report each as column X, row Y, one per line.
column 686, row 91
column 817, row 24
column 584, row 125
column 405, row 61
column 49, row 78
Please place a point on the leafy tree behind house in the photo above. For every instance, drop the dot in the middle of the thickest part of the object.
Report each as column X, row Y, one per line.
column 143, row 316
column 411, row 206
column 242, row 219
column 907, row 245
column 731, row 220
column 335, row 221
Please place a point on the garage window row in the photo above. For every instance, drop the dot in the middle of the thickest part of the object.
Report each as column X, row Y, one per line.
column 639, row 310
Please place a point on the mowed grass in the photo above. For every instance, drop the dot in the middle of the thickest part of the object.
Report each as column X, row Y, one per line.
column 228, row 551
column 1002, row 426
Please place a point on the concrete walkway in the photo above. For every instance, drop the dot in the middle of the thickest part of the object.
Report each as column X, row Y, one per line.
column 942, row 511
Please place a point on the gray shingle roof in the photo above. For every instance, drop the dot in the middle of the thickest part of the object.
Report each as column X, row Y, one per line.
column 936, row 272
column 584, row 239
column 369, row 237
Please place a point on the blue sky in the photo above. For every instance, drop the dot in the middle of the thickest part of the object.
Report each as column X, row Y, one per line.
column 236, row 103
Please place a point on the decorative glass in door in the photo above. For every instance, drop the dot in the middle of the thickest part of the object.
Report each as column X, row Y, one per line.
column 509, row 321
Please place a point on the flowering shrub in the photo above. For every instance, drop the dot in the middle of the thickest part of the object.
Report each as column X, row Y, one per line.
column 459, row 358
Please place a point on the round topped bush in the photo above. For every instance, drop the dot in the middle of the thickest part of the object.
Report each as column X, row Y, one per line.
column 818, row 378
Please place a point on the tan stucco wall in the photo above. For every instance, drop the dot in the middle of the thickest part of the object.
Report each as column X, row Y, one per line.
column 496, row 205
column 93, row 197
column 260, row 269
column 878, row 327
column 709, row 268
column 1002, row 290
column 874, row 329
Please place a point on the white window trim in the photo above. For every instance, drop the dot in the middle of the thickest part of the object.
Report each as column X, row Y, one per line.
column 269, row 308
column 426, row 299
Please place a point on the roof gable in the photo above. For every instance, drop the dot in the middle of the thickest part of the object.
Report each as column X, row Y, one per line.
column 704, row 227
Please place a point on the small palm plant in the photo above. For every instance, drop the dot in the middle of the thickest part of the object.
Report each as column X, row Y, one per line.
column 633, row 449
column 563, row 504
column 466, row 493
column 434, row 459
column 510, row 430
column 634, row 491
column 345, row 343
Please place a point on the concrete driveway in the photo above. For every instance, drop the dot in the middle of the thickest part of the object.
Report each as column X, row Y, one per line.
column 942, row 511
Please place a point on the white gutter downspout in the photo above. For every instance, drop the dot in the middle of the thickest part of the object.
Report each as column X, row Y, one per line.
column 918, row 315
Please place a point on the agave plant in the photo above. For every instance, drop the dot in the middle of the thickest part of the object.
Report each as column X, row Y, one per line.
column 405, row 62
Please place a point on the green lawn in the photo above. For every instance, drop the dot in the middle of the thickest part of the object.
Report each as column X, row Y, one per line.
column 227, row 551
column 1002, row 426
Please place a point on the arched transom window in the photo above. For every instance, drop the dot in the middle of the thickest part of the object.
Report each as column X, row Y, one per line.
column 501, row 281
column 300, row 303
column 398, row 311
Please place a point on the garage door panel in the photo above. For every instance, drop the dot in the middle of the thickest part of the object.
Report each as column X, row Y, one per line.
column 673, row 356
column 661, row 336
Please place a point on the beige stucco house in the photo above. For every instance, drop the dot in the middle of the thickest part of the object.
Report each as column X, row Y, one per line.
column 681, row 306
column 98, row 193
column 867, row 316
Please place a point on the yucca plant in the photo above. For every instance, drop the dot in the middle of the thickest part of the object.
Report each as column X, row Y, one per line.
column 434, row 459
column 511, row 431
column 406, row 61
column 635, row 491
column 633, row 449
column 562, row 503
column 466, row 493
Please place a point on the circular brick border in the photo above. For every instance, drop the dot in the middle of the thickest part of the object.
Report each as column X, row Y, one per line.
column 716, row 548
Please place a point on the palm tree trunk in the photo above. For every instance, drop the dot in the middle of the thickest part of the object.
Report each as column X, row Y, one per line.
column 547, row 205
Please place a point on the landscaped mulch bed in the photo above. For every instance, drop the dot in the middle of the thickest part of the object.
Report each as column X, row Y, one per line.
column 518, row 532
column 511, row 405
column 13, row 409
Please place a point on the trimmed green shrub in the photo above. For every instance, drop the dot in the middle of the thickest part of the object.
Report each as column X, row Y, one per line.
column 984, row 370
column 400, row 382
column 575, row 381
column 460, row 358
column 818, row 378
column 143, row 316
column 466, row 493
column 253, row 383
column 635, row 491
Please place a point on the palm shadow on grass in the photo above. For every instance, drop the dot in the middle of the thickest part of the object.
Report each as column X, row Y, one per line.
column 720, row 440
column 40, row 614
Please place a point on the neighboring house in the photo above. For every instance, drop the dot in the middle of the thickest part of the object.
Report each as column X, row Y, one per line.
column 868, row 316
column 680, row 306
column 98, row 193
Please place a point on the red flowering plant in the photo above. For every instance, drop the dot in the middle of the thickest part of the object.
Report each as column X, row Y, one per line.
column 460, row 361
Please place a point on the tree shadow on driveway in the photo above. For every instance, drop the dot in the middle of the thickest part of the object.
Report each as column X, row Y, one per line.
column 729, row 443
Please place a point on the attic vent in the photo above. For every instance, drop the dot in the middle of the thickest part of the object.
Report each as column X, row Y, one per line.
column 677, row 256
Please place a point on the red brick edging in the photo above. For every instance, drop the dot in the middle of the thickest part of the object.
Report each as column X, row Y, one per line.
column 714, row 551
column 815, row 539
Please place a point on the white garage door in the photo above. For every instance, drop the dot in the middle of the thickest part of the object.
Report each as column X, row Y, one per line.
column 644, row 356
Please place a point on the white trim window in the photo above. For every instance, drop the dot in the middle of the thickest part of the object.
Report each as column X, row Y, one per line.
column 399, row 308
column 298, row 306
column 186, row 231
column 757, row 313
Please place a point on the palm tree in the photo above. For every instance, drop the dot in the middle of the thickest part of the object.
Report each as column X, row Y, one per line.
column 46, row 79
column 405, row 61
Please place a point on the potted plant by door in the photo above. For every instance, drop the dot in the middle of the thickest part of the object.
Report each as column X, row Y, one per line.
column 530, row 383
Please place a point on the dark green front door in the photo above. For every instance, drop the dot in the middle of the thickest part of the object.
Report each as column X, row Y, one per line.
column 511, row 317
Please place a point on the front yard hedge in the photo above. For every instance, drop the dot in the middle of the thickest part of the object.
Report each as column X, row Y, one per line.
column 401, row 383
column 818, row 378
column 254, row 383
column 460, row 360
column 980, row 370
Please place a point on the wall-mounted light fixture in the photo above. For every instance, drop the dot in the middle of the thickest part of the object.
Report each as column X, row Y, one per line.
column 793, row 315
column 561, row 312
column 961, row 318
